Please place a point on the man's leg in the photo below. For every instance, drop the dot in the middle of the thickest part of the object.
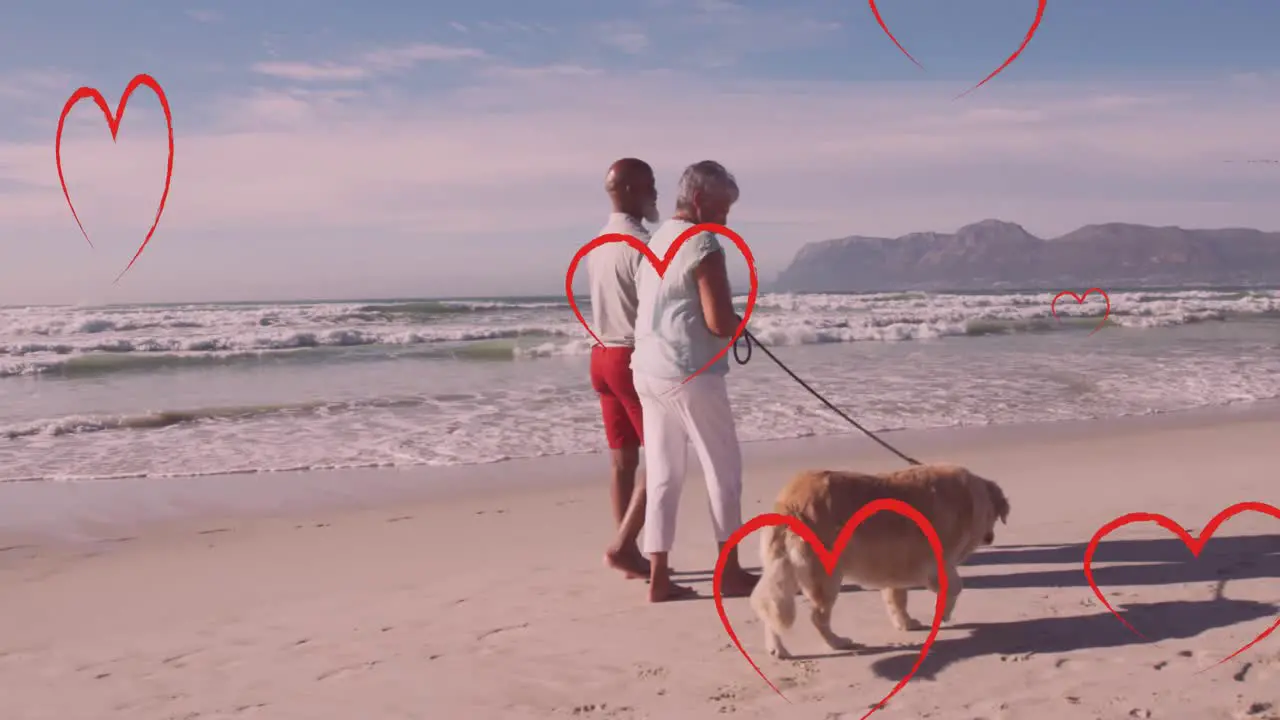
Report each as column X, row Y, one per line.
column 709, row 419
column 665, row 459
column 611, row 373
column 625, row 461
column 628, row 509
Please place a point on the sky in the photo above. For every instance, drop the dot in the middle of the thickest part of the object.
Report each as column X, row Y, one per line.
column 378, row 149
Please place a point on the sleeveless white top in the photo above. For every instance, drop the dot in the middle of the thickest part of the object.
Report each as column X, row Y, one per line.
column 672, row 339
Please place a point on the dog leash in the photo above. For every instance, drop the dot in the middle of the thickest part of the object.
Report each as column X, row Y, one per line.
column 753, row 340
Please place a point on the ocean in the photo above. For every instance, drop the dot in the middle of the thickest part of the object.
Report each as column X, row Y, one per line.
column 182, row 390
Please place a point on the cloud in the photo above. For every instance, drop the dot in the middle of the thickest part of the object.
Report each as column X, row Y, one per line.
column 628, row 41
column 307, row 72
column 355, row 164
column 509, row 168
column 717, row 34
column 205, row 16
column 34, row 84
column 627, row 37
column 512, row 26
column 542, row 71
column 367, row 65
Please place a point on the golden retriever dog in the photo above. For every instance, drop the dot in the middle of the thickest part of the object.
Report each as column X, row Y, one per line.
column 887, row 550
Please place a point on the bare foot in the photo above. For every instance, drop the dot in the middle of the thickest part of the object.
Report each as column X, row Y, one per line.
column 630, row 563
column 738, row 583
column 663, row 590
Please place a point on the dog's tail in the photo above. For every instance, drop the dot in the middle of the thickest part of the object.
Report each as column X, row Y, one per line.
column 774, row 597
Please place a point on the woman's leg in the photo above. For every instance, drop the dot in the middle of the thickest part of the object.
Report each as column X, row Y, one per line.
column 708, row 419
column 665, row 463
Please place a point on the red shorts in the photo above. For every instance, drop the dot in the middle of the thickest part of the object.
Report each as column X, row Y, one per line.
column 611, row 379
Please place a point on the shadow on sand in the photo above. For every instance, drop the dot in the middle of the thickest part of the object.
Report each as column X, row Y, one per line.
column 1147, row 562
column 1157, row 621
column 1164, row 561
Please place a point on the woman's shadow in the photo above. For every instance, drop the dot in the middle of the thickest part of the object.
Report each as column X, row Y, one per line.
column 1156, row 621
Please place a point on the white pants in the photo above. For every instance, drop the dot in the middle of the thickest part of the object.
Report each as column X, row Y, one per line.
column 674, row 414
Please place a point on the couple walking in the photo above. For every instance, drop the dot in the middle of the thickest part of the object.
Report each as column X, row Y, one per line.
column 655, row 332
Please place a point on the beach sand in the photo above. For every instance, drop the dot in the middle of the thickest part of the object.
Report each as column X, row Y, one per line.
column 480, row 593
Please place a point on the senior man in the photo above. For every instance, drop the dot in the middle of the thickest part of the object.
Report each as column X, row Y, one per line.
column 612, row 269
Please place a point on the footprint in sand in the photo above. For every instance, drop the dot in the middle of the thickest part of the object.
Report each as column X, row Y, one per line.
column 603, row 710
column 726, row 692
column 786, row 682
column 495, row 631
column 645, row 671
column 176, row 660
column 1258, row 711
column 807, row 668
column 345, row 669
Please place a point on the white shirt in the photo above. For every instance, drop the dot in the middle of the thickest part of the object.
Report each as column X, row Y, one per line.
column 671, row 336
column 611, row 270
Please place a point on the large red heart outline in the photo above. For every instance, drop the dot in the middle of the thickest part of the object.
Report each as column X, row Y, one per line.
column 829, row 559
column 1195, row 545
column 1035, row 25
column 660, row 265
column 1053, row 306
column 113, row 123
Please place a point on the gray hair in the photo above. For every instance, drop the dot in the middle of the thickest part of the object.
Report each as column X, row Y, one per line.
column 706, row 176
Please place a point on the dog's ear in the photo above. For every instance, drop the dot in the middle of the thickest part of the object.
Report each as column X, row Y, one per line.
column 999, row 501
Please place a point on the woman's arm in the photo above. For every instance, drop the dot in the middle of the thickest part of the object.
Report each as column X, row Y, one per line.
column 717, row 300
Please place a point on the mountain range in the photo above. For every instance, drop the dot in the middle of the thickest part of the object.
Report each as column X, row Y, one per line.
column 994, row 254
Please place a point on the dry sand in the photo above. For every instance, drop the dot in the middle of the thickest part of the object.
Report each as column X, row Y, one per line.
column 479, row 593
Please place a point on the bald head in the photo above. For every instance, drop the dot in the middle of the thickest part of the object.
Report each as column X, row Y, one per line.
column 631, row 188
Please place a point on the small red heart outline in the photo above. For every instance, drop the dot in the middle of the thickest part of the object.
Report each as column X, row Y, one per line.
column 1053, row 306
column 661, row 267
column 1195, row 545
column 829, row 559
column 1035, row 25
column 113, row 123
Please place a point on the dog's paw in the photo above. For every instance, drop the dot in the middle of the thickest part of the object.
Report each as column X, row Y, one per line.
column 908, row 624
column 842, row 643
column 779, row 651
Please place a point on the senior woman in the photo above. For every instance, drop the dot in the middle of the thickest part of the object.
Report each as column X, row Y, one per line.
column 683, row 318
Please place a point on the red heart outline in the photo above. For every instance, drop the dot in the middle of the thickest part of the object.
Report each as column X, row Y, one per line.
column 661, row 267
column 1035, row 25
column 113, row 123
column 1195, row 545
column 829, row 559
column 1053, row 306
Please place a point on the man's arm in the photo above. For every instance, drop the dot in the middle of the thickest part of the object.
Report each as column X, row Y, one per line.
column 717, row 300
